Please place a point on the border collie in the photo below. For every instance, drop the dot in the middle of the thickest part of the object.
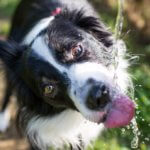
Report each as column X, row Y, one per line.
column 59, row 58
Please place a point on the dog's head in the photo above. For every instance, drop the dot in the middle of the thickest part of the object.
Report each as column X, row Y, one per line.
column 69, row 64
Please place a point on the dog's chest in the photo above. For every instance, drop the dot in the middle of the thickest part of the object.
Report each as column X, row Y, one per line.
column 69, row 127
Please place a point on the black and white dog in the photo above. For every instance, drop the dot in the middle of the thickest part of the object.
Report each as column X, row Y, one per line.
column 60, row 60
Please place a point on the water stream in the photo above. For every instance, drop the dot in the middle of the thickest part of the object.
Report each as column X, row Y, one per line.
column 133, row 126
column 136, row 134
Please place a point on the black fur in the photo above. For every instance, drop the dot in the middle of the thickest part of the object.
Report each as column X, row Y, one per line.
column 90, row 24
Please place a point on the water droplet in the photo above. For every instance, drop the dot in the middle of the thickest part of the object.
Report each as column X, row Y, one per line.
column 139, row 133
column 136, row 99
column 137, row 112
column 128, row 127
column 123, row 130
column 147, row 139
column 136, row 106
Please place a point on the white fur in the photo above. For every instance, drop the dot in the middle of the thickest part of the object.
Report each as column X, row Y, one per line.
column 61, row 129
column 42, row 24
column 4, row 120
column 41, row 48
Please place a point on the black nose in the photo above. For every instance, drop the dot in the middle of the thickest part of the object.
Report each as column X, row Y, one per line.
column 98, row 96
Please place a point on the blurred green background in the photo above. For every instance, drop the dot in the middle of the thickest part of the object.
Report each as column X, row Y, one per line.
column 136, row 34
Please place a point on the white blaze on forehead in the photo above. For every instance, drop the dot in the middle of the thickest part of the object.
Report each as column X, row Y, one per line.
column 42, row 24
column 84, row 71
column 41, row 48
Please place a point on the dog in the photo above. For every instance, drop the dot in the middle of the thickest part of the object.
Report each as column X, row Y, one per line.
column 59, row 60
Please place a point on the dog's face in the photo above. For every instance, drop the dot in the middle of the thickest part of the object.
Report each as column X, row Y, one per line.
column 70, row 65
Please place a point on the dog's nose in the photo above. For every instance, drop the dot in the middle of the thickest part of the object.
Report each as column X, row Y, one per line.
column 98, row 96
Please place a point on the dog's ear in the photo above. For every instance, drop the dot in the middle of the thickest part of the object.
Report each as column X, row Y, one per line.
column 90, row 24
column 10, row 52
column 95, row 27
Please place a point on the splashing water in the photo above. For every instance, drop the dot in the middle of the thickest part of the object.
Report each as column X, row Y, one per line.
column 133, row 125
column 123, row 130
column 136, row 133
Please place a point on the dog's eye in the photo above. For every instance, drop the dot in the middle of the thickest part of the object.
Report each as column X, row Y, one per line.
column 48, row 89
column 77, row 51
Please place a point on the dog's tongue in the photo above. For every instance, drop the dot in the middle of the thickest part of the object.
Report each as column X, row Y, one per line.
column 121, row 112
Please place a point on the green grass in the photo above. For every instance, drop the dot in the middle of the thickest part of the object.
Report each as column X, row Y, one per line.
column 114, row 139
column 7, row 7
column 4, row 27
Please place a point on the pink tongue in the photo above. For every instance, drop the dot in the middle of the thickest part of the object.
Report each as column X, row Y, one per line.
column 121, row 113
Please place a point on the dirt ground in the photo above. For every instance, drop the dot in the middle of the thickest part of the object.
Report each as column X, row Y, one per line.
column 10, row 140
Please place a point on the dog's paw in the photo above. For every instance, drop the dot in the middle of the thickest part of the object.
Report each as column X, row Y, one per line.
column 4, row 120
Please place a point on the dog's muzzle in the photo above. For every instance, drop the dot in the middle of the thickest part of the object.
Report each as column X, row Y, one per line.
column 96, row 96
